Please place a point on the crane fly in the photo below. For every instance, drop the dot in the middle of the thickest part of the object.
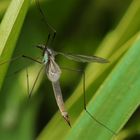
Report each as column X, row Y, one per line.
column 53, row 70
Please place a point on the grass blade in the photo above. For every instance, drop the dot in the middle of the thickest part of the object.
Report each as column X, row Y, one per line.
column 113, row 47
column 9, row 31
column 115, row 101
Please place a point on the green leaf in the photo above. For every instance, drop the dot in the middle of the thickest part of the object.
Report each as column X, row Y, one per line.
column 76, row 102
column 115, row 100
column 113, row 47
column 18, row 120
column 9, row 31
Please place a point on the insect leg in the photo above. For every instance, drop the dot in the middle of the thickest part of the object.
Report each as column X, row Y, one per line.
column 27, row 75
column 30, row 92
column 84, row 91
column 30, row 58
column 84, row 99
column 19, row 57
column 51, row 30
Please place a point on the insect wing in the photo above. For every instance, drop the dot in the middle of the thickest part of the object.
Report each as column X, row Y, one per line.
column 83, row 58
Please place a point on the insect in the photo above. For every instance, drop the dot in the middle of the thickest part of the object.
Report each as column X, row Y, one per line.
column 53, row 70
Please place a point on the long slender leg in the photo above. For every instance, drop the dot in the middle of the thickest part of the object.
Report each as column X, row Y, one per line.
column 19, row 57
column 27, row 76
column 16, row 58
column 84, row 98
column 88, row 111
column 46, row 44
column 11, row 60
column 50, row 28
column 83, row 73
column 52, row 31
column 30, row 58
column 30, row 93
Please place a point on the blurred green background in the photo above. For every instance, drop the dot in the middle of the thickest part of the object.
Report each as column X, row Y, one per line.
column 81, row 26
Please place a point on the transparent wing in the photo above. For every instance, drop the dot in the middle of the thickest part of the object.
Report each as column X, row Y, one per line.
column 83, row 58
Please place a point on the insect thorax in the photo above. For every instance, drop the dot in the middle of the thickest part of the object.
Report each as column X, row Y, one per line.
column 48, row 53
column 45, row 58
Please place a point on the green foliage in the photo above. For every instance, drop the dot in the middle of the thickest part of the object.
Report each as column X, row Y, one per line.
column 112, row 90
column 9, row 30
